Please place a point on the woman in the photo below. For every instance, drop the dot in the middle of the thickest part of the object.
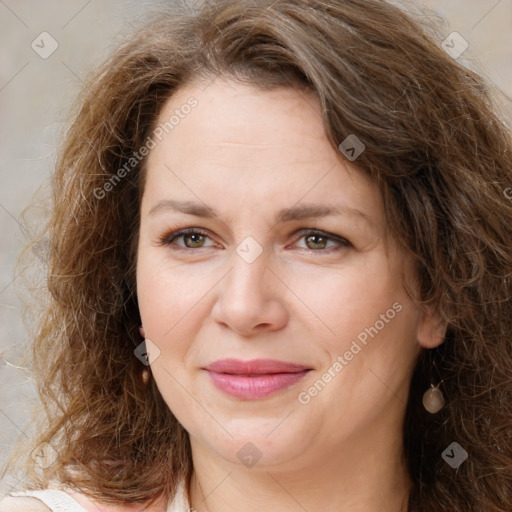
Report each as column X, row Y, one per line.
column 300, row 207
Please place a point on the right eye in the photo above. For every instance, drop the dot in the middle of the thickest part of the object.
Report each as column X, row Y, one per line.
column 192, row 239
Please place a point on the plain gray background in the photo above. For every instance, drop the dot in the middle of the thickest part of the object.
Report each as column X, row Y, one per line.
column 35, row 95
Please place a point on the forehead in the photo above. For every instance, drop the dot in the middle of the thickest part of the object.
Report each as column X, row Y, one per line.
column 240, row 144
column 233, row 119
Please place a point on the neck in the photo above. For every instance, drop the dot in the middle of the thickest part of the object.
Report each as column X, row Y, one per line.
column 366, row 474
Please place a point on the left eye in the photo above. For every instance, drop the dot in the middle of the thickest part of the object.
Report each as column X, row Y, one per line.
column 318, row 240
column 315, row 240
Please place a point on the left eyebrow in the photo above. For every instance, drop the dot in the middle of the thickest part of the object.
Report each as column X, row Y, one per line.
column 315, row 211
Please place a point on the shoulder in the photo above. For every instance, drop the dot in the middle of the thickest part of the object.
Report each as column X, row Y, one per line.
column 47, row 500
column 22, row 504
column 32, row 504
column 91, row 505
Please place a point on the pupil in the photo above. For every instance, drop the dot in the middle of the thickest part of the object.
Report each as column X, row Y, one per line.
column 194, row 237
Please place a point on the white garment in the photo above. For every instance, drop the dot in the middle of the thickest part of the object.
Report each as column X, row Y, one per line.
column 55, row 500
column 60, row 501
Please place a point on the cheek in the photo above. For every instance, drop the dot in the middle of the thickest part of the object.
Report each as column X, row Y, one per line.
column 370, row 357
column 168, row 304
column 349, row 300
column 171, row 298
column 372, row 327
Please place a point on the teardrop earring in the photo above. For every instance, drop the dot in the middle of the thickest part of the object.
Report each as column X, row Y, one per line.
column 433, row 399
column 145, row 376
column 145, row 372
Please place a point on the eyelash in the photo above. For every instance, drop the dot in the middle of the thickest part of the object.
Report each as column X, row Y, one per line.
column 167, row 240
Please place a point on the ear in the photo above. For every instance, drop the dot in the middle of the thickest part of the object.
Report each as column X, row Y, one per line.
column 431, row 330
column 141, row 331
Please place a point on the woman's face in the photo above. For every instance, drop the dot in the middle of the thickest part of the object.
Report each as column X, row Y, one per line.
column 285, row 260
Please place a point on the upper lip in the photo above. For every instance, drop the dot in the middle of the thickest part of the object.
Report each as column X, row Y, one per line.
column 254, row 366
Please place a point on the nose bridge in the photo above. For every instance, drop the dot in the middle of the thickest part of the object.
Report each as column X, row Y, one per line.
column 250, row 231
column 248, row 297
column 249, row 267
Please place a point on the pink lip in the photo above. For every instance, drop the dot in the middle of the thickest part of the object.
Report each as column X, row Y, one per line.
column 251, row 380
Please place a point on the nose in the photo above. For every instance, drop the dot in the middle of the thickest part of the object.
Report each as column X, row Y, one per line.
column 251, row 298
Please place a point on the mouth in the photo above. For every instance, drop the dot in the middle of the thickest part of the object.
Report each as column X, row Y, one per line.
column 254, row 379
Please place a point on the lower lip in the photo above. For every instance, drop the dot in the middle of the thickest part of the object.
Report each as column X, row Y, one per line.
column 256, row 387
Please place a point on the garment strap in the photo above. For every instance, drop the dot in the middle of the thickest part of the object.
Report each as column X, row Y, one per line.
column 180, row 503
column 57, row 501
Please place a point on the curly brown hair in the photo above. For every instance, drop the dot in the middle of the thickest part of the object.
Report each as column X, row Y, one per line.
column 442, row 159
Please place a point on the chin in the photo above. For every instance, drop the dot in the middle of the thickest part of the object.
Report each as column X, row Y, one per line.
column 258, row 443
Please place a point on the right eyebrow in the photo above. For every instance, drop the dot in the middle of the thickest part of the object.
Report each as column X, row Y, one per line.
column 188, row 207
